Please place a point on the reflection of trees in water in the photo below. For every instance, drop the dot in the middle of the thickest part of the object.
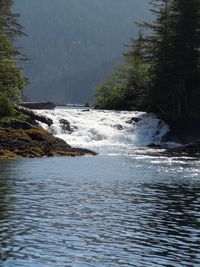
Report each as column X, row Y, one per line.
column 171, row 220
column 7, row 201
column 5, row 208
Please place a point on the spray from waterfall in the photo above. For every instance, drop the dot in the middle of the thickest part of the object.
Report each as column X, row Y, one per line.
column 106, row 129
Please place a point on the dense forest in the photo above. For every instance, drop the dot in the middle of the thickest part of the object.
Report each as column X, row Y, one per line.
column 73, row 45
column 12, row 81
column 162, row 72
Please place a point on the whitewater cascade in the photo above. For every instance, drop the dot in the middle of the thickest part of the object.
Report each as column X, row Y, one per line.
column 101, row 130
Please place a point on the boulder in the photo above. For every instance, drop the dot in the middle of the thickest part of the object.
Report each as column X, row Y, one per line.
column 65, row 125
column 35, row 142
column 16, row 124
column 133, row 120
column 118, row 127
column 192, row 149
column 32, row 117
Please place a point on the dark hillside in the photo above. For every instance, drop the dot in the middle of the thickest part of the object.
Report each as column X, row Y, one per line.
column 73, row 44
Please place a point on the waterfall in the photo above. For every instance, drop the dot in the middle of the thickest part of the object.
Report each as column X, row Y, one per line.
column 99, row 129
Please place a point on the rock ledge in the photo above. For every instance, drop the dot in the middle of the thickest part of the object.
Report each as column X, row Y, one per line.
column 35, row 142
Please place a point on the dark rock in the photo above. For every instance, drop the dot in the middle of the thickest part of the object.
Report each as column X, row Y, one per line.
column 192, row 149
column 38, row 105
column 119, row 127
column 154, row 145
column 170, row 137
column 134, row 120
column 186, row 130
column 64, row 121
column 85, row 110
column 32, row 117
column 65, row 125
column 16, row 124
column 35, row 142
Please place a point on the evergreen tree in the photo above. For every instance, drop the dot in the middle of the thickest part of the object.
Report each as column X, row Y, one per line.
column 173, row 50
column 165, row 62
column 12, row 81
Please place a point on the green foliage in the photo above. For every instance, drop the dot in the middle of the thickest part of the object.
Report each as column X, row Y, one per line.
column 6, row 107
column 125, row 89
column 109, row 95
column 174, row 52
column 12, row 81
column 163, row 73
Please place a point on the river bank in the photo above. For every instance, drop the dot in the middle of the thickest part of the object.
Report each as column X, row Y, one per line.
column 35, row 142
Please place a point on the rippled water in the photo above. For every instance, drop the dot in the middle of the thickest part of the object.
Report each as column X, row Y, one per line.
column 100, row 211
column 121, row 208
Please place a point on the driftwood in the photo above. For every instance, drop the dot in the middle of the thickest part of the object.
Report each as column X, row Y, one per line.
column 33, row 117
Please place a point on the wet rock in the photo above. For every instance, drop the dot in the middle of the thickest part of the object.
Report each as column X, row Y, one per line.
column 35, row 142
column 64, row 121
column 133, row 120
column 65, row 125
column 118, row 127
column 16, row 124
column 154, row 146
column 192, row 149
column 170, row 137
column 32, row 117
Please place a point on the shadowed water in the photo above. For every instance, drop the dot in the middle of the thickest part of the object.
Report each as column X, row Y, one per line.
column 100, row 211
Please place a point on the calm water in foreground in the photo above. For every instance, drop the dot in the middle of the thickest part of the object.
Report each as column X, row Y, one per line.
column 121, row 209
column 99, row 211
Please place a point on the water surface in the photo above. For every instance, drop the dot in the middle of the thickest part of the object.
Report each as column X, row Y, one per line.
column 118, row 209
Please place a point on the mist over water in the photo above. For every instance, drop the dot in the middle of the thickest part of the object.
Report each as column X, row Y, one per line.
column 120, row 208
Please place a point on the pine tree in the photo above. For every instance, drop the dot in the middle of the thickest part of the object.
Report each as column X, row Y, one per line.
column 12, row 81
column 164, row 62
column 173, row 50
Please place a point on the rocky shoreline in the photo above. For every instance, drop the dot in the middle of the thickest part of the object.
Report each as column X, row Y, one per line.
column 25, row 138
column 191, row 150
column 185, row 134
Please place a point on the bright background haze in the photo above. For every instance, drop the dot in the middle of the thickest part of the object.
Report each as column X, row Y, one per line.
column 74, row 44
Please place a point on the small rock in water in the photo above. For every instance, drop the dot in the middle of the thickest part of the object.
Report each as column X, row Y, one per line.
column 64, row 121
column 134, row 120
column 119, row 127
column 65, row 125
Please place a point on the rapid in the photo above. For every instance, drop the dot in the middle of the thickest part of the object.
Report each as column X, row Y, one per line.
column 107, row 131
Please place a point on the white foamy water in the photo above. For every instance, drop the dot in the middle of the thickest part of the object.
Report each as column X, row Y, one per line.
column 103, row 130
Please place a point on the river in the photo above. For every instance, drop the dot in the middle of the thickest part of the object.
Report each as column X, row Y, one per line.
column 124, row 207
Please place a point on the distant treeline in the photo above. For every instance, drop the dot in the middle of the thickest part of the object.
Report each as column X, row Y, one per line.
column 162, row 72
